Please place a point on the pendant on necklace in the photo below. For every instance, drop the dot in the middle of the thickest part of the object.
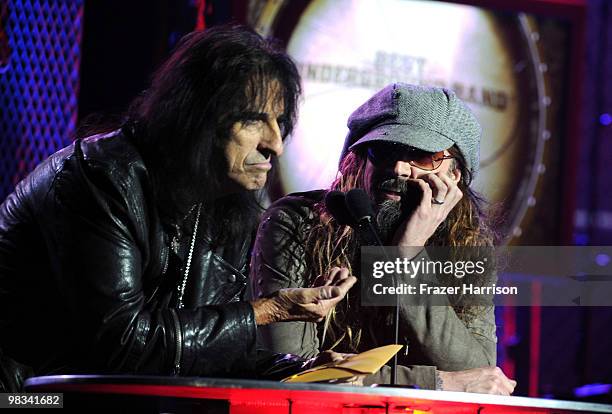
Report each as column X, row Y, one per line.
column 174, row 244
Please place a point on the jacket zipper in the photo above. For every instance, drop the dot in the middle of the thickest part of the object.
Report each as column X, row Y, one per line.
column 228, row 265
column 166, row 261
column 178, row 335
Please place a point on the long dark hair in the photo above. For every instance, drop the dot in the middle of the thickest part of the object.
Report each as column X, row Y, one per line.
column 181, row 123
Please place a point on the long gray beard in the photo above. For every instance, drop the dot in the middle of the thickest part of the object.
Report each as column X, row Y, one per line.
column 392, row 213
column 388, row 219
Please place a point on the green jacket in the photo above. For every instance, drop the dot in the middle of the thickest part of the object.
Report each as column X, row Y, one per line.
column 437, row 337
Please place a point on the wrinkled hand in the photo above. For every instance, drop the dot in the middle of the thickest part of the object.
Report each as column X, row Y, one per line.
column 486, row 380
column 313, row 304
column 426, row 218
column 305, row 304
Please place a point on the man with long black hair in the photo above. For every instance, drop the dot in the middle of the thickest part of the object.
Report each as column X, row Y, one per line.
column 126, row 252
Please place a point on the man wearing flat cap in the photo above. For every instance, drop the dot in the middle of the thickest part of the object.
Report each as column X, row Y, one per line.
column 415, row 151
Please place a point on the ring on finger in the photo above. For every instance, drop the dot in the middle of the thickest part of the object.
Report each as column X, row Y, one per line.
column 438, row 202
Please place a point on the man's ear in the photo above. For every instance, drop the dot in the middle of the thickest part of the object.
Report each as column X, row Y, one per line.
column 456, row 175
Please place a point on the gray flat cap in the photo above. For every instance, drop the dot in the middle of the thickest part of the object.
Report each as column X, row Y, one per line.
column 428, row 118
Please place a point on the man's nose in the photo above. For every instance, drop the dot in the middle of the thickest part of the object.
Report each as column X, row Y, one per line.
column 406, row 170
column 402, row 169
column 272, row 139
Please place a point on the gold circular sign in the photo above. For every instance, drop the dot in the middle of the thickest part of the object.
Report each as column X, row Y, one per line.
column 347, row 50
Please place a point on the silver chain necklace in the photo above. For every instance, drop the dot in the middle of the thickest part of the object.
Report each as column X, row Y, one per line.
column 181, row 288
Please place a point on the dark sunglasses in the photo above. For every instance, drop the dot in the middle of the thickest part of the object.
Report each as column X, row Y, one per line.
column 383, row 154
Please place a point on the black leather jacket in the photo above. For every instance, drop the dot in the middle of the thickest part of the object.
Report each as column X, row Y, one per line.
column 88, row 281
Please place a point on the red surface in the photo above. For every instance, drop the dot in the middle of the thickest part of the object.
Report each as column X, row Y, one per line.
column 534, row 341
column 201, row 22
column 509, row 335
column 246, row 398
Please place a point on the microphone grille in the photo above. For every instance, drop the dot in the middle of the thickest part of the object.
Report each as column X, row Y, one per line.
column 358, row 204
column 336, row 205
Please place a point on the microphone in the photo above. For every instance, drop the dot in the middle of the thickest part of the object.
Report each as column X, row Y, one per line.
column 336, row 205
column 359, row 205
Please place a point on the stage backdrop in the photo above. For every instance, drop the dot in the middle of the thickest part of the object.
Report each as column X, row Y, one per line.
column 39, row 80
column 496, row 62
